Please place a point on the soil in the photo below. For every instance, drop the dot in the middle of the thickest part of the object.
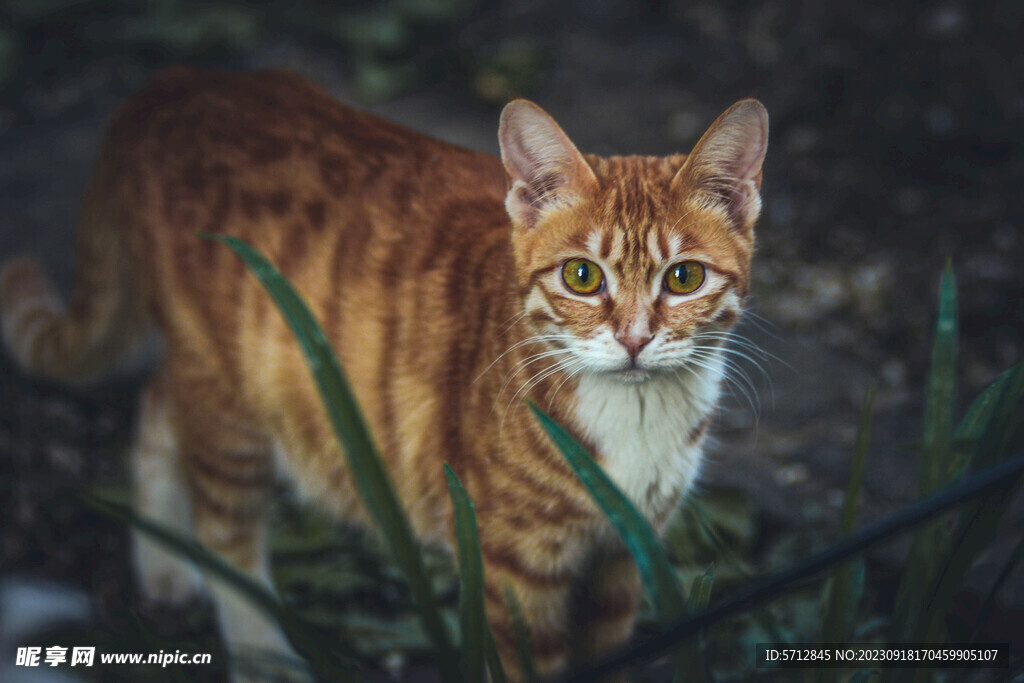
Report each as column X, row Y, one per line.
column 896, row 146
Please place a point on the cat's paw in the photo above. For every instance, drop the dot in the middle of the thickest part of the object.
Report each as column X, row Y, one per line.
column 164, row 578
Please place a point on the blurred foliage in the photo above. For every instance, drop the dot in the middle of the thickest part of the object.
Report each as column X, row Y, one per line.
column 391, row 46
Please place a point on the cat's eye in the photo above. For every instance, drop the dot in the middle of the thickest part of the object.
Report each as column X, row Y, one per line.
column 582, row 276
column 685, row 277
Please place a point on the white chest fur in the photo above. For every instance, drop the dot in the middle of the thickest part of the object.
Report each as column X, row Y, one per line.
column 648, row 433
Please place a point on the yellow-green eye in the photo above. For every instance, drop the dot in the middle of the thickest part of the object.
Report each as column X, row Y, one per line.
column 685, row 277
column 582, row 276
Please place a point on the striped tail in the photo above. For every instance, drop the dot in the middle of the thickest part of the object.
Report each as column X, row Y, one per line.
column 104, row 322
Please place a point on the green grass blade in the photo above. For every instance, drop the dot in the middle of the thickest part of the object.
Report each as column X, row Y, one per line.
column 494, row 665
column 700, row 590
column 658, row 574
column 691, row 665
column 472, row 615
column 1002, row 432
column 940, row 394
column 321, row 652
column 848, row 581
column 372, row 480
column 972, row 426
column 935, row 466
column 521, row 632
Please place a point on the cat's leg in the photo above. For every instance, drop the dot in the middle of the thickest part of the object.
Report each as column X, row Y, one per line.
column 542, row 593
column 229, row 472
column 160, row 494
column 605, row 608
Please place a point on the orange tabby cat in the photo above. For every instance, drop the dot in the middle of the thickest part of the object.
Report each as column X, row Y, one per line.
column 453, row 286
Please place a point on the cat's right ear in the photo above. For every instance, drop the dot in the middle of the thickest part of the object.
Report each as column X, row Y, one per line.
column 724, row 168
column 546, row 169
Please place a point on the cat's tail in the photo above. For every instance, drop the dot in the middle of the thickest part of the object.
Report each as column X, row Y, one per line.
column 105, row 321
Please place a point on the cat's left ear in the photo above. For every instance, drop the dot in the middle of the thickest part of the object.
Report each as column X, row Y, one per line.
column 546, row 169
column 724, row 168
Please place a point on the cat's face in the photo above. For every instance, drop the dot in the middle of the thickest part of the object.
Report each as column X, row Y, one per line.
column 632, row 266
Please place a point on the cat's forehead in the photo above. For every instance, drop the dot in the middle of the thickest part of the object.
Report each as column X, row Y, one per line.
column 639, row 215
column 634, row 188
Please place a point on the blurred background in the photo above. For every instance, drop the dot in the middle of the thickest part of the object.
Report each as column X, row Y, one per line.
column 896, row 145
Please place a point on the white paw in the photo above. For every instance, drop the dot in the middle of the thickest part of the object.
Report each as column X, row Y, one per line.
column 163, row 577
column 259, row 650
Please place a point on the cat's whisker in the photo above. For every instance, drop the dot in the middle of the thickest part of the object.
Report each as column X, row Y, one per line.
column 529, row 360
column 740, row 340
column 527, row 386
column 536, row 339
column 734, row 376
column 512, row 321
column 543, row 375
column 746, row 352
column 736, row 353
column 570, row 372
column 762, row 323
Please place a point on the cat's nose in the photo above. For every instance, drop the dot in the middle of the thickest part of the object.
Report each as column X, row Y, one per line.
column 634, row 344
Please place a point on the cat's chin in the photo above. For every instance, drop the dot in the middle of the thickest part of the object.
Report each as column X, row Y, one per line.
column 631, row 375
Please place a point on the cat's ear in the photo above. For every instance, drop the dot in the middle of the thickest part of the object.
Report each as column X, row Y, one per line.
column 724, row 168
column 546, row 169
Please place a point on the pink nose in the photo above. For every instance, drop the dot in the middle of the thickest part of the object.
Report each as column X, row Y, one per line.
column 634, row 345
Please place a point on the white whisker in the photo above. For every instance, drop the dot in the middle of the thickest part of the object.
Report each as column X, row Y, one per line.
column 529, row 360
column 570, row 372
column 528, row 385
column 734, row 376
column 762, row 323
column 535, row 339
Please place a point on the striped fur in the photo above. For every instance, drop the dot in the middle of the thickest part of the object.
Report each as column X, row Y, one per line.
column 436, row 272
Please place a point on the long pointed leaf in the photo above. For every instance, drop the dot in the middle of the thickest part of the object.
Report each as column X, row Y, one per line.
column 700, row 590
column 972, row 426
column 691, row 665
column 940, row 395
column 521, row 633
column 372, row 480
column 848, row 581
column 494, row 666
column 934, row 469
column 473, row 618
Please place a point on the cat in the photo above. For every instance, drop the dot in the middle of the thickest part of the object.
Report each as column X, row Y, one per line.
column 453, row 286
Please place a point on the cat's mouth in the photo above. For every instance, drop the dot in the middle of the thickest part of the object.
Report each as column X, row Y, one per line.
column 633, row 370
column 632, row 375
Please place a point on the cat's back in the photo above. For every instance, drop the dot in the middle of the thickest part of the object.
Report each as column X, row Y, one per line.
column 329, row 193
column 249, row 144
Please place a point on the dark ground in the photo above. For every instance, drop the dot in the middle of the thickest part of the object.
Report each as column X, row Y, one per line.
column 896, row 144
